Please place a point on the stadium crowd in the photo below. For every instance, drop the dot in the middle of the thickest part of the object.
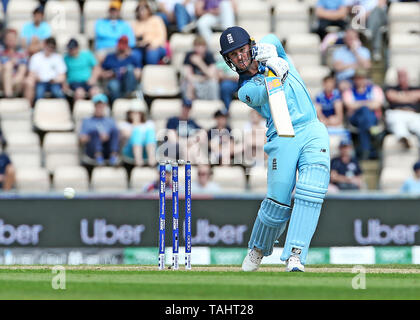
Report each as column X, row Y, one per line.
column 360, row 94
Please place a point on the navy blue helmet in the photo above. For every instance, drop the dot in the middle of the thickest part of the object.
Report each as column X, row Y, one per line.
column 231, row 39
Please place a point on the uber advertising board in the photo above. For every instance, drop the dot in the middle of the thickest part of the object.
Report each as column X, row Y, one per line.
column 215, row 223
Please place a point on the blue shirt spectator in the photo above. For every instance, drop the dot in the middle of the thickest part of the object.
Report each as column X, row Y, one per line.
column 122, row 69
column 117, row 64
column 350, row 57
column 108, row 31
column 37, row 28
column 100, row 134
column 412, row 185
column 327, row 101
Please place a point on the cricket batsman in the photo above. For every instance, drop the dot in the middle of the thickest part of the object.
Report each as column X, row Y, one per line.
column 307, row 152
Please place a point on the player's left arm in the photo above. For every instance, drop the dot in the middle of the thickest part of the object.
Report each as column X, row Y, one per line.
column 253, row 94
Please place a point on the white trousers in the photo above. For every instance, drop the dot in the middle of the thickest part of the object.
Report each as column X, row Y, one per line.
column 207, row 21
column 403, row 122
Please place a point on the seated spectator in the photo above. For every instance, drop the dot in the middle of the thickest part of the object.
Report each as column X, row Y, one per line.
column 363, row 104
column 13, row 65
column 346, row 173
column 412, row 185
column 7, row 170
column 150, row 32
column 329, row 107
column 82, row 70
column 47, row 73
column 214, row 13
column 154, row 186
column 221, row 143
column 373, row 15
column 330, row 13
column 179, row 12
column 254, row 139
column 141, row 145
column 349, row 58
column 228, row 81
column 200, row 74
column 99, row 134
column 122, row 69
column 186, row 135
column 109, row 30
column 35, row 32
column 204, row 185
column 403, row 115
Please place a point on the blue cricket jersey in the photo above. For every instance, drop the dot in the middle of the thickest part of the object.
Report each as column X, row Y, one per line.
column 252, row 91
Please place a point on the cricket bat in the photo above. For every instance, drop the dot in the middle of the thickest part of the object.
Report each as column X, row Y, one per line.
column 278, row 106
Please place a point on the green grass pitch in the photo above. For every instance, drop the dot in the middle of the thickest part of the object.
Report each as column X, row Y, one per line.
column 210, row 283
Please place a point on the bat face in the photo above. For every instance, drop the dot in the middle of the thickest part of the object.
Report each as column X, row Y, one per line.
column 278, row 107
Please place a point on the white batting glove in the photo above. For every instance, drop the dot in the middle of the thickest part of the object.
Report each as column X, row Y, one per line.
column 278, row 66
column 264, row 51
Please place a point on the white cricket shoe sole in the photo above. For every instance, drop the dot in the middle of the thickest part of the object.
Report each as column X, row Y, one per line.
column 252, row 260
column 293, row 264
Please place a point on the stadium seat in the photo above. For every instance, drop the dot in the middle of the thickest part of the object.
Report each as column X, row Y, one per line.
column 239, row 114
column 404, row 17
column 141, row 176
column 60, row 148
column 71, row 176
column 63, row 16
column 160, row 81
column 20, row 12
column 334, row 145
column 52, row 115
column 291, row 18
column 258, row 179
column 394, row 154
column 162, row 109
column 254, row 16
column 203, row 112
column 404, row 50
column 392, row 146
column 63, row 40
column 304, row 48
column 121, row 106
column 56, row 160
column 180, row 44
column 108, row 179
column 391, row 178
column 312, row 76
column 13, row 126
column 230, row 179
column 32, row 179
column 23, row 142
column 15, row 109
column 82, row 109
column 92, row 11
column 128, row 10
column 60, row 142
column 239, row 110
column 26, row 159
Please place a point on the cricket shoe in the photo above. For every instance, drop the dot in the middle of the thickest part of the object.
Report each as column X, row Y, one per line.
column 252, row 260
column 293, row 264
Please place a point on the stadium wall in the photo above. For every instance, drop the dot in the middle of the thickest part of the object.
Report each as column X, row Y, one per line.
column 110, row 229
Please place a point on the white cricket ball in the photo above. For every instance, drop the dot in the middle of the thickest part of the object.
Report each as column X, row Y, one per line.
column 69, row 193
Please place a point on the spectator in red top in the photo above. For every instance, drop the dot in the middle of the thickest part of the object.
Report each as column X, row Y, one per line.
column 13, row 65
